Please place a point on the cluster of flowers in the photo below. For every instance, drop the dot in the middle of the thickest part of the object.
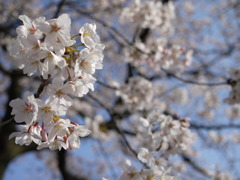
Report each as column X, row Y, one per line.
column 159, row 137
column 46, row 47
column 156, row 168
column 98, row 128
column 137, row 93
column 164, row 134
column 150, row 14
column 156, row 54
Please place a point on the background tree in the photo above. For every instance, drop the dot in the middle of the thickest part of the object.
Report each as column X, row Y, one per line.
column 167, row 64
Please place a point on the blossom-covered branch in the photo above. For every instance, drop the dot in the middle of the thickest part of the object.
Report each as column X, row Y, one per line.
column 45, row 47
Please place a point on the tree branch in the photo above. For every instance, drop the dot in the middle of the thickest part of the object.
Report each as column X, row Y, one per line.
column 59, row 8
column 195, row 166
column 195, row 82
column 62, row 167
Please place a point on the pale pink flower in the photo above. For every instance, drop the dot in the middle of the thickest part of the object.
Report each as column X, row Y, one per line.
column 25, row 110
column 89, row 36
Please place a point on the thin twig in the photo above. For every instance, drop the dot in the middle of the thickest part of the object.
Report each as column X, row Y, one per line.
column 214, row 127
column 195, row 82
column 99, row 102
column 120, row 132
column 6, row 122
column 203, row 126
column 41, row 87
column 195, row 166
column 106, row 85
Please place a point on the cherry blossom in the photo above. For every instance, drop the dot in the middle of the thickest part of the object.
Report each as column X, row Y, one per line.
column 46, row 47
column 29, row 133
column 29, row 26
column 160, row 68
column 89, row 36
column 25, row 110
column 57, row 32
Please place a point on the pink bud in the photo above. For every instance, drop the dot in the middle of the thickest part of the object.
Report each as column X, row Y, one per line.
column 44, row 135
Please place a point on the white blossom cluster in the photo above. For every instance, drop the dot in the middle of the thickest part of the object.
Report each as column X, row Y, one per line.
column 164, row 134
column 150, row 14
column 137, row 93
column 46, row 47
column 173, row 57
column 156, row 168
column 97, row 126
column 157, row 55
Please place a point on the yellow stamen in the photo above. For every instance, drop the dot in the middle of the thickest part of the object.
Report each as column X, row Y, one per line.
column 46, row 109
column 59, row 92
column 86, row 34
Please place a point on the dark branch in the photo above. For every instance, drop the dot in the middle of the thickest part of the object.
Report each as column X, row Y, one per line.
column 62, row 167
column 195, row 166
column 59, row 8
column 214, row 127
column 170, row 74
column 41, row 87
